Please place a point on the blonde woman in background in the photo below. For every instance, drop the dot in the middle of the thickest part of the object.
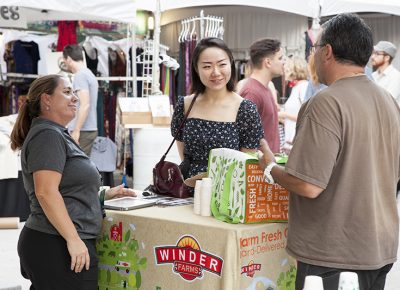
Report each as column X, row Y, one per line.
column 295, row 71
column 314, row 86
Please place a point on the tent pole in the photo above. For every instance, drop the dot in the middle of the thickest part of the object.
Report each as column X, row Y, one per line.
column 156, row 50
column 133, row 62
column 127, row 74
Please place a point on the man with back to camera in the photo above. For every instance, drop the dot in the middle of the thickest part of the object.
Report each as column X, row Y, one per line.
column 83, row 127
column 384, row 73
column 344, row 166
column 267, row 63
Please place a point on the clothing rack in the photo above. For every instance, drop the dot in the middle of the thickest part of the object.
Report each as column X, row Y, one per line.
column 113, row 78
column 210, row 26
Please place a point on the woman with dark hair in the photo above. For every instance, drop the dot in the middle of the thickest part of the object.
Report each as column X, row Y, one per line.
column 57, row 244
column 219, row 118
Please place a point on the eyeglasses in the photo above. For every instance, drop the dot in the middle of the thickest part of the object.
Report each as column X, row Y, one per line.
column 379, row 53
column 314, row 47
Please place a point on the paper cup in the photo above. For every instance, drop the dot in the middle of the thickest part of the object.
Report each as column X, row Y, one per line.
column 348, row 281
column 197, row 195
column 313, row 283
column 205, row 197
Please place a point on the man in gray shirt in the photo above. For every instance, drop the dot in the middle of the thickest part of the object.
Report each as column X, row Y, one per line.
column 83, row 127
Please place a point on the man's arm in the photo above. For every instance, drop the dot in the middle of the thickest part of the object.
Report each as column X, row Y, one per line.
column 288, row 181
column 84, row 106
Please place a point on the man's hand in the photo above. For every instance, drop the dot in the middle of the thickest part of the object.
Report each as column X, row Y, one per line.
column 267, row 156
column 75, row 135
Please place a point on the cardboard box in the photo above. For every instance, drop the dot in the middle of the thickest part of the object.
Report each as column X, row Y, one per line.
column 162, row 121
column 240, row 193
column 134, row 111
column 160, row 109
column 136, row 118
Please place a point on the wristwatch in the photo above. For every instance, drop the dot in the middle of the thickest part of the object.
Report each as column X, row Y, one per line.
column 267, row 173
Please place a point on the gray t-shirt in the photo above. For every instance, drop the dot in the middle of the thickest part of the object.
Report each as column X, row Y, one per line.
column 347, row 142
column 84, row 79
column 48, row 146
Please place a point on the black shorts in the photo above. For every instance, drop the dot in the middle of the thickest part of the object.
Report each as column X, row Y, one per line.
column 368, row 279
column 45, row 260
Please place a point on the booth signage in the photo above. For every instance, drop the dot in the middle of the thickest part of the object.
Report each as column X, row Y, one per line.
column 188, row 260
column 250, row 269
column 12, row 16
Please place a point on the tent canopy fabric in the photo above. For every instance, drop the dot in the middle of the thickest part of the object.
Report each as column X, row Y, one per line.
column 100, row 10
column 332, row 7
column 300, row 7
column 310, row 8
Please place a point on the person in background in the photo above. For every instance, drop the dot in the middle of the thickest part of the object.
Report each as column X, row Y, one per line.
column 296, row 72
column 314, row 86
column 83, row 127
column 247, row 72
column 384, row 73
column 57, row 244
column 220, row 118
column 267, row 62
column 344, row 166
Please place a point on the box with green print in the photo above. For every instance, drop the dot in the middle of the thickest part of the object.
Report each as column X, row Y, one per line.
column 240, row 193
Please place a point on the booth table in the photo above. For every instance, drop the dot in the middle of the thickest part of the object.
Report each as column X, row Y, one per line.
column 169, row 248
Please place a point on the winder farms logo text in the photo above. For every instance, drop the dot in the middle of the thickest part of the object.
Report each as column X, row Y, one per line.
column 250, row 269
column 188, row 260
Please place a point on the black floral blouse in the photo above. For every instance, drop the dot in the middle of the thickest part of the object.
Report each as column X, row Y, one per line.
column 200, row 136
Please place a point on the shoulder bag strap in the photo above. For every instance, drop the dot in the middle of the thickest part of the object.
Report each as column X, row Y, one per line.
column 180, row 126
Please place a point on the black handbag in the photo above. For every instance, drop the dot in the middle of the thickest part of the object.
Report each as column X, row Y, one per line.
column 167, row 176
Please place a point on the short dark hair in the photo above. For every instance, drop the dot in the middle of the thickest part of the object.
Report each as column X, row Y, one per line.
column 73, row 51
column 263, row 48
column 350, row 38
column 197, row 86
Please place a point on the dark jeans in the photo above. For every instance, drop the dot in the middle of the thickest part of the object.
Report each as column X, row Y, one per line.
column 45, row 260
column 368, row 279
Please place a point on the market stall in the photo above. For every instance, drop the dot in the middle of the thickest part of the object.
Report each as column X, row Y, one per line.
column 172, row 248
column 16, row 14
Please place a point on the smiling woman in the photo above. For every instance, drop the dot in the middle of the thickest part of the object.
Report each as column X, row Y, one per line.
column 62, row 184
column 220, row 118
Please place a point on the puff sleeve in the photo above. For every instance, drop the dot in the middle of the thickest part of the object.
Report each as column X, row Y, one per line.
column 177, row 118
column 250, row 127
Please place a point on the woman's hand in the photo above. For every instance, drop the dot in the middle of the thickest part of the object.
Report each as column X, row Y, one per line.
column 79, row 255
column 119, row 191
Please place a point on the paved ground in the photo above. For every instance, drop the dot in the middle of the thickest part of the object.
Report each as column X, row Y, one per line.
column 10, row 275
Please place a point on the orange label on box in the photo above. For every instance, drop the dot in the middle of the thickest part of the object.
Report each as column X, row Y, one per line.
column 264, row 202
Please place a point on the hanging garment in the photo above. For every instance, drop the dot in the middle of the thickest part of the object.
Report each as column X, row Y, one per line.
column 26, row 56
column 66, row 34
column 104, row 154
column 92, row 60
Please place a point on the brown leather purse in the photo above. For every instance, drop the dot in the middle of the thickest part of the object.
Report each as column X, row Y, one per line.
column 167, row 177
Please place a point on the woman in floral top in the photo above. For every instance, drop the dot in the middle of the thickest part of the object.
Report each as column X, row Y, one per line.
column 219, row 118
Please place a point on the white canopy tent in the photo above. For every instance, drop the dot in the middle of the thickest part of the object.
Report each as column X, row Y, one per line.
column 332, row 7
column 100, row 10
column 384, row 26
column 122, row 11
column 309, row 8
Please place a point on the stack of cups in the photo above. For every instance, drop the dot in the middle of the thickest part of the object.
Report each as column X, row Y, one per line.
column 202, row 197
column 348, row 281
column 197, row 194
column 313, row 283
column 205, row 197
